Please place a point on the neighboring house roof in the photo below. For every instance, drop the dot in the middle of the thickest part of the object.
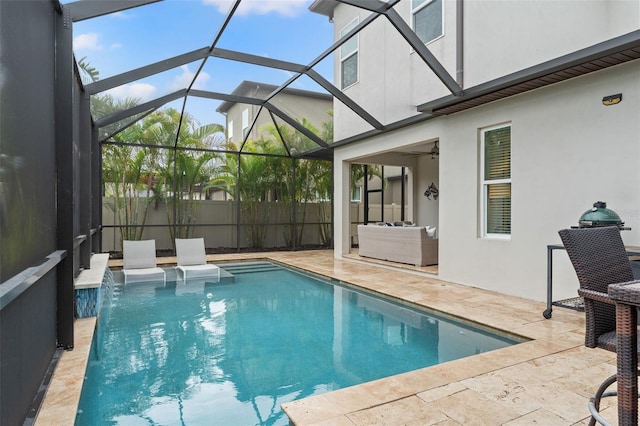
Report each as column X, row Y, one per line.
column 323, row 7
column 248, row 88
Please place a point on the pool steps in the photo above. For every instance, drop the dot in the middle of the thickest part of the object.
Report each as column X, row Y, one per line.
column 249, row 267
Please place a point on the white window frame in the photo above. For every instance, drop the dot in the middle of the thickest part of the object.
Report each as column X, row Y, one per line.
column 230, row 130
column 484, row 185
column 349, row 55
column 417, row 9
column 245, row 122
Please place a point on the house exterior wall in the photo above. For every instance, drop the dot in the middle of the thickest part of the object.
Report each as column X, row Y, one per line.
column 426, row 208
column 296, row 106
column 386, row 72
column 504, row 37
column 568, row 151
column 499, row 38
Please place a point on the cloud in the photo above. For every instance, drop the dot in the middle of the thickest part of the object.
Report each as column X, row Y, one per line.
column 142, row 91
column 262, row 7
column 89, row 41
column 116, row 46
column 184, row 80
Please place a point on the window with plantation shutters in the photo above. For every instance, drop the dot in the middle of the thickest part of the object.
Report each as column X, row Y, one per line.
column 496, row 181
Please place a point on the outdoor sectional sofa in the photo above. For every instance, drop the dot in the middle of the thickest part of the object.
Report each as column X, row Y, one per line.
column 405, row 244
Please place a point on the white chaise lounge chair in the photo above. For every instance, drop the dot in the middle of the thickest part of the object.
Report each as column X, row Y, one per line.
column 139, row 261
column 193, row 259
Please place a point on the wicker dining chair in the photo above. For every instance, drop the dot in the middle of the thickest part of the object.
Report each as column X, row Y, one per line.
column 599, row 258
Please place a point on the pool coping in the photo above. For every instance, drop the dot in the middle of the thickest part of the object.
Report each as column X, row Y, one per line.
column 347, row 406
column 548, row 337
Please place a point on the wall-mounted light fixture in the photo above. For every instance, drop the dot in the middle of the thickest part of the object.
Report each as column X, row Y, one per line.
column 612, row 99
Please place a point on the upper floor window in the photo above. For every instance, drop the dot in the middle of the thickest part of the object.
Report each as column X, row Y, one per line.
column 496, row 181
column 245, row 122
column 427, row 19
column 230, row 130
column 349, row 57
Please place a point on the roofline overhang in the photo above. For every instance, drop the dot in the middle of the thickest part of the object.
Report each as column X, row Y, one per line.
column 323, row 7
column 603, row 55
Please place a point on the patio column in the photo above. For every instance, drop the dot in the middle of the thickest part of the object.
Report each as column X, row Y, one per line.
column 342, row 201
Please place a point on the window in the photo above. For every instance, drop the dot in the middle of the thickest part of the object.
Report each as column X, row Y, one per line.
column 427, row 19
column 349, row 57
column 230, row 130
column 245, row 122
column 496, row 181
column 356, row 194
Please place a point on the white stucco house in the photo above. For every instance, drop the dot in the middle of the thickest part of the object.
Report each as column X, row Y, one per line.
column 535, row 107
column 247, row 120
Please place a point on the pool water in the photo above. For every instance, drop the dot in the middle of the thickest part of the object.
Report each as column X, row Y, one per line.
column 231, row 353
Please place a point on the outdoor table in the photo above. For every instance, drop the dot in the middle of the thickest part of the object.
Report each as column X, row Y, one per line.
column 627, row 298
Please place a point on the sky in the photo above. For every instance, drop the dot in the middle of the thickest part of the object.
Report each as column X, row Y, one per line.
column 278, row 29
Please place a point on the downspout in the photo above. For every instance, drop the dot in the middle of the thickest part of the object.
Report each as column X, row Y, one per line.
column 460, row 42
column 238, row 210
column 402, row 189
column 365, row 190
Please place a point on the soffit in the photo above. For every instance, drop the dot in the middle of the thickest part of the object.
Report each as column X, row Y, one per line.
column 610, row 53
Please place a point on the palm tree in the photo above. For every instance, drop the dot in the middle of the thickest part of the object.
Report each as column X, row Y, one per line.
column 129, row 177
column 184, row 172
column 260, row 177
column 138, row 177
column 88, row 73
column 262, row 182
column 309, row 182
column 323, row 172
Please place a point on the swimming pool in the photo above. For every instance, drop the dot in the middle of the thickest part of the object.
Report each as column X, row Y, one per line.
column 231, row 353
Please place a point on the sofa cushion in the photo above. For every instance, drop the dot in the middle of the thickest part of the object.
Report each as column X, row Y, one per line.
column 398, row 243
